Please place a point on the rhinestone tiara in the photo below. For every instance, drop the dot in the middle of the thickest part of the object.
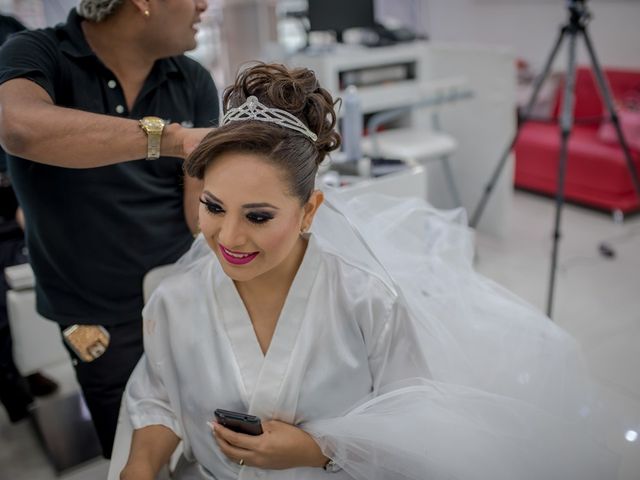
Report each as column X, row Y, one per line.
column 252, row 109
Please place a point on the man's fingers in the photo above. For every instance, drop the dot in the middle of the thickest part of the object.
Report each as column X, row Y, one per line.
column 193, row 137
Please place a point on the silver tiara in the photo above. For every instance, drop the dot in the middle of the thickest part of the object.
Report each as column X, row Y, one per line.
column 252, row 109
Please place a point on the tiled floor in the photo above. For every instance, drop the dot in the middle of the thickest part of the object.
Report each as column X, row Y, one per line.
column 597, row 300
column 21, row 454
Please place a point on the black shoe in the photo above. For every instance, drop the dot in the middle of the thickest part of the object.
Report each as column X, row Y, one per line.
column 15, row 396
column 40, row 385
column 16, row 412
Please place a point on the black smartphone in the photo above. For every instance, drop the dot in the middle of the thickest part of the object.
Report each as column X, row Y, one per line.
column 239, row 422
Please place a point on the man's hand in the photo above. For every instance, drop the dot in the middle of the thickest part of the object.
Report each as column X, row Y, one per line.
column 280, row 446
column 178, row 141
column 192, row 139
column 20, row 218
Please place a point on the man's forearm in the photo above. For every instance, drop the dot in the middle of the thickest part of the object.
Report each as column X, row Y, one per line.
column 32, row 127
column 192, row 191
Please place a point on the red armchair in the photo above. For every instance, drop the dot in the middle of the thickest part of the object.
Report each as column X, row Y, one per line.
column 597, row 173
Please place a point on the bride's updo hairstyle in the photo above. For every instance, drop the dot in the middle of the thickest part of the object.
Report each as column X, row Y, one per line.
column 295, row 91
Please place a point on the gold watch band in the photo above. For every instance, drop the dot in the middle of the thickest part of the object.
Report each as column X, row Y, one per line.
column 153, row 127
column 153, row 146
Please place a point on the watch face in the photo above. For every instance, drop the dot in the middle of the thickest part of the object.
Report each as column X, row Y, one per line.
column 153, row 124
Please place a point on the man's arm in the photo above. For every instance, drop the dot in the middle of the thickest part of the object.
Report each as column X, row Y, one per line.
column 151, row 448
column 206, row 113
column 32, row 127
column 192, row 191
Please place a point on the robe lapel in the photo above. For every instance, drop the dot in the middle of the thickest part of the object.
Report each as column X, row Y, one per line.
column 237, row 324
column 263, row 376
column 264, row 401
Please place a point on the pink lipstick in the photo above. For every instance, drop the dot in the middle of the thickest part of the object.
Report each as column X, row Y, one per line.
column 237, row 258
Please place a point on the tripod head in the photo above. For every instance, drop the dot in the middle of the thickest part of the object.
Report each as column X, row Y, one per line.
column 579, row 14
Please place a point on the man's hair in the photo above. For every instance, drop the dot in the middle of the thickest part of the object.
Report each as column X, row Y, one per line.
column 97, row 10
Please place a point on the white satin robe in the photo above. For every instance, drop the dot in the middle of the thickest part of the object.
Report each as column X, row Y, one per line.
column 337, row 330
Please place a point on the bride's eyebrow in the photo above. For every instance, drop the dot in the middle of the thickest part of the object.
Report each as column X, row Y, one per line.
column 211, row 196
column 259, row 205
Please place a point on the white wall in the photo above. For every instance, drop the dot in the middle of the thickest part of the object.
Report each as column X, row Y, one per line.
column 56, row 11
column 38, row 13
column 530, row 27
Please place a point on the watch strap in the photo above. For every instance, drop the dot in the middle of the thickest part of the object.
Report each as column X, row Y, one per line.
column 153, row 128
column 153, row 146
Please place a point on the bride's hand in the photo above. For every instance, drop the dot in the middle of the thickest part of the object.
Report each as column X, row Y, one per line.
column 280, row 446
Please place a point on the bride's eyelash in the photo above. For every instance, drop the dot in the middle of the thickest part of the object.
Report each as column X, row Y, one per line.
column 257, row 218
column 212, row 207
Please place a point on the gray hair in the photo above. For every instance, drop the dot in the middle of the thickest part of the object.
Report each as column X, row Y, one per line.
column 97, row 10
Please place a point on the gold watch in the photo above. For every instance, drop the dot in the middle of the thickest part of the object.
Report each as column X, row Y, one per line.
column 153, row 127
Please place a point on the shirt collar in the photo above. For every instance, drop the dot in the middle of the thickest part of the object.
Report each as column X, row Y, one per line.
column 75, row 43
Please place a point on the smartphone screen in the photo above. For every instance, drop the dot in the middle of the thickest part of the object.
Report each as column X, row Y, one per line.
column 239, row 422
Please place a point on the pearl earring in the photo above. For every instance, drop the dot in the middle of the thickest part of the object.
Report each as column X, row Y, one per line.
column 147, row 13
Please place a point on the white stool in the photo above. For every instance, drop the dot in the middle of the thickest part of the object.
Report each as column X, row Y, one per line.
column 416, row 147
column 62, row 421
column 37, row 342
column 416, row 144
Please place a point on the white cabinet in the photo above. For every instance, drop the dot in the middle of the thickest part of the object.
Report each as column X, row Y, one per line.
column 482, row 125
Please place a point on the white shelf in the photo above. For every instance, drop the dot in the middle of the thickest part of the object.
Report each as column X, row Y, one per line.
column 482, row 125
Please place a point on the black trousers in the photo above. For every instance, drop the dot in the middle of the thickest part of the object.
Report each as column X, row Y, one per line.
column 103, row 380
column 14, row 392
column 12, row 252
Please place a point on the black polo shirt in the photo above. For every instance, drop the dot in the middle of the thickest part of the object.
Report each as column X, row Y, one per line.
column 8, row 226
column 8, row 26
column 94, row 233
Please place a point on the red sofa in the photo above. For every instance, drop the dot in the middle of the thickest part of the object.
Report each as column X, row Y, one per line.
column 597, row 173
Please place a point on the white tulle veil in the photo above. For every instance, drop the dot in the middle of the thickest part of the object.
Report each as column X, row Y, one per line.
column 506, row 394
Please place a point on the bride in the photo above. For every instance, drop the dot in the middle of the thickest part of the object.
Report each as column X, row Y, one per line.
column 358, row 333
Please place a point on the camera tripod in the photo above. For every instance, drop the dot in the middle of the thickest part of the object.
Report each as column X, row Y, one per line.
column 579, row 17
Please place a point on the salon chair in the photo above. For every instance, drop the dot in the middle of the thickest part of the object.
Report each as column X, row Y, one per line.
column 124, row 430
column 37, row 343
column 62, row 421
column 417, row 144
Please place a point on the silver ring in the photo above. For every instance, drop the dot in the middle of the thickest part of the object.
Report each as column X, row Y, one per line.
column 241, row 462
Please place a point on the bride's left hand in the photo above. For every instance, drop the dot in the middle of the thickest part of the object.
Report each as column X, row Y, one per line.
column 280, row 446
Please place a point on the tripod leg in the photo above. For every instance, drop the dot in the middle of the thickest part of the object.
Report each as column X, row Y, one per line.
column 539, row 81
column 566, row 124
column 475, row 218
column 448, row 173
column 606, row 95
